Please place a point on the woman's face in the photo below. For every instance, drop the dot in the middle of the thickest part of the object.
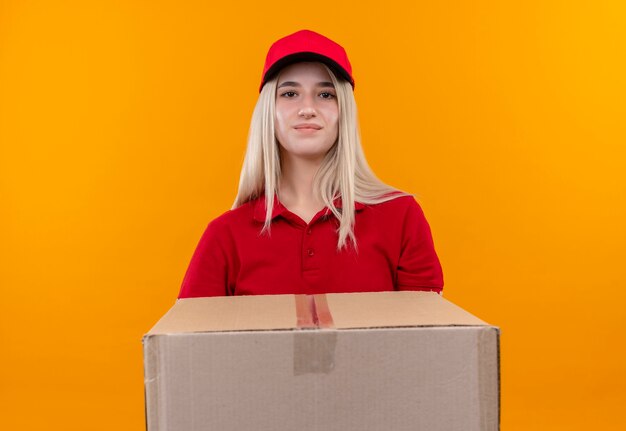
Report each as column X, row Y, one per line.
column 307, row 113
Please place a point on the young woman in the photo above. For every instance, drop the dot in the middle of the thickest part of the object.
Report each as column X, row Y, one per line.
column 310, row 216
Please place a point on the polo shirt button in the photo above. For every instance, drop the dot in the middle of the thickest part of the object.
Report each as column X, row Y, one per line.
column 309, row 231
column 310, row 252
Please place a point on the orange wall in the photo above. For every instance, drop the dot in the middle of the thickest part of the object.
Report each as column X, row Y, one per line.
column 122, row 130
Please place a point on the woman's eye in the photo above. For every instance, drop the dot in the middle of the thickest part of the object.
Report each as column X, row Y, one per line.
column 326, row 95
column 289, row 94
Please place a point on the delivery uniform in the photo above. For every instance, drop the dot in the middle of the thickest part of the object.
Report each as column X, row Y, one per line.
column 395, row 251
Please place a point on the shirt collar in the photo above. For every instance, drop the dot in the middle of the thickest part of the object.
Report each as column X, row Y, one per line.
column 279, row 208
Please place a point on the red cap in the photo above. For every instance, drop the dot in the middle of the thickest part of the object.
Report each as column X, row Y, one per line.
column 306, row 45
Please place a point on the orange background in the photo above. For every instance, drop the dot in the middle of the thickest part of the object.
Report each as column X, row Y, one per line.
column 122, row 131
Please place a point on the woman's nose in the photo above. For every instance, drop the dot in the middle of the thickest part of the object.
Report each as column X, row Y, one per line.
column 307, row 109
column 307, row 112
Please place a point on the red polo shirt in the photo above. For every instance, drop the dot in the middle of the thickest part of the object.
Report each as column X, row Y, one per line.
column 395, row 252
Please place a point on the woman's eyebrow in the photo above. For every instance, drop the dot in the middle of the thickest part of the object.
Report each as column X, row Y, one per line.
column 289, row 84
column 296, row 84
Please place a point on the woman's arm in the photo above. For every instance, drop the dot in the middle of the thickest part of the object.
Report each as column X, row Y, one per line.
column 418, row 267
column 207, row 274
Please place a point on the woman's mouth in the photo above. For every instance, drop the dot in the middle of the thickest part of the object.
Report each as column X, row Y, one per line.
column 307, row 127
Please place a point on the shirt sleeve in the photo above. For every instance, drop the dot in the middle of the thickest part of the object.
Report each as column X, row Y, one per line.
column 418, row 266
column 207, row 274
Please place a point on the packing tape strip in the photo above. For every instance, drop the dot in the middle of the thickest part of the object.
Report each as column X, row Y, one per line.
column 304, row 311
column 324, row 317
column 313, row 349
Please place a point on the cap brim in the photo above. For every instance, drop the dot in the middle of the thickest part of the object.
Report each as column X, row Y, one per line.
column 339, row 71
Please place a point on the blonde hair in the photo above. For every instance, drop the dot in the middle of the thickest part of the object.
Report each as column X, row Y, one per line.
column 344, row 172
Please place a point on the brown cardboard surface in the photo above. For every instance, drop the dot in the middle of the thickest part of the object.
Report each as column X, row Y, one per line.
column 389, row 309
column 227, row 313
column 342, row 310
column 489, row 377
column 379, row 361
column 381, row 379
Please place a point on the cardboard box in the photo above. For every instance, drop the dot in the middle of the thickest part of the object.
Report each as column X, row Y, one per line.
column 388, row 361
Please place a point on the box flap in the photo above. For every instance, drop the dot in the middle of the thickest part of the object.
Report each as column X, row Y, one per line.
column 333, row 310
column 390, row 309
column 229, row 313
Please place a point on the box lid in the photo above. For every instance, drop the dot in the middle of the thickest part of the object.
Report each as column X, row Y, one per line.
column 333, row 310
